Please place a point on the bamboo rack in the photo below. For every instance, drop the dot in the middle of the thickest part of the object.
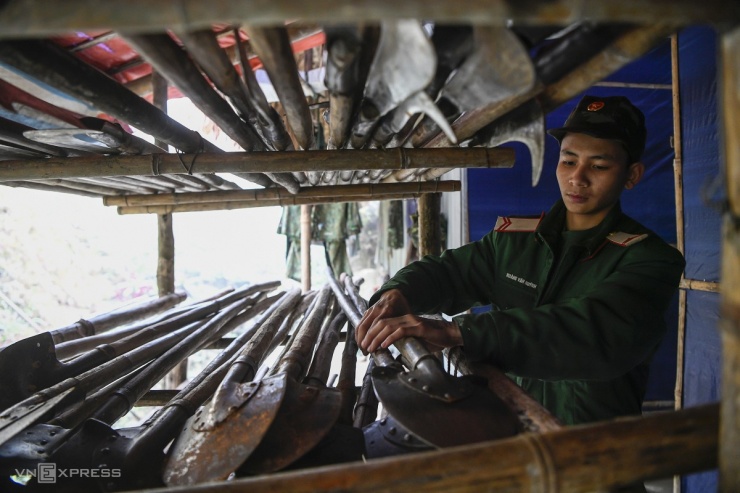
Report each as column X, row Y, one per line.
column 257, row 162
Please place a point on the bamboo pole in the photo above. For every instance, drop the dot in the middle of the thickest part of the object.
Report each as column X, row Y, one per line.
column 166, row 257
column 730, row 292
column 586, row 458
column 50, row 188
column 278, row 161
column 680, row 242
column 678, row 186
column 96, row 190
column 115, row 183
column 248, row 204
column 430, row 229
column 28, row 18
column 306, row 248
column 165, row 234
column 696, row 285
column 364, row 190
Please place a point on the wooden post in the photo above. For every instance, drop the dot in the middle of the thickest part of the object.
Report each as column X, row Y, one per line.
column 306, row 248
column 678, row 190
column 729, row 446
column 166, row 236
column 166, row 260
column 430, row 229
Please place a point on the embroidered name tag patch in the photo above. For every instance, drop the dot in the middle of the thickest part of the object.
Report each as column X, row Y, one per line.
column 521, row 280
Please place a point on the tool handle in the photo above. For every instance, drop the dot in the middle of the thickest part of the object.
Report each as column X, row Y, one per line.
column 318, row 373
column 296, row 359
column 382, row 357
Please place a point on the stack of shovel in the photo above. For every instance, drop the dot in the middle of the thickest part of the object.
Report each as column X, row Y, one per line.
column 248, row 412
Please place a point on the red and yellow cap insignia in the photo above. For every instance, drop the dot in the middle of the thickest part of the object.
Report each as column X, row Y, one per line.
column 595, row 106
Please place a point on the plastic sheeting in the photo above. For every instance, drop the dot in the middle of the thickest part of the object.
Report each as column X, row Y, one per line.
column 702, row 222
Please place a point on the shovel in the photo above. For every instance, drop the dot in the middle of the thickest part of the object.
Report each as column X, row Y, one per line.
column 452, row 44
column 68, row 349
column 29, row 410
column 196, row 454
column 236, row 424
column 139, row 452
column 403, row 66
column 344, row 442
column 26, row 412
column 74, row 416
column 495, row 78
column 350, row 53
column 524, row 124
column 43, row 368
column 308, row 410
column 436, row 407
column 74, row 448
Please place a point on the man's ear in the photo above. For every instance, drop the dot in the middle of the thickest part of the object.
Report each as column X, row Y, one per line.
column 634, row 174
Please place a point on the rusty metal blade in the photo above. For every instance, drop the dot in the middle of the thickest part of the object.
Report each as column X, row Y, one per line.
column 404, row 64
column 207, row 450
column 474, row 415
column 25, row 414
column 525, row 124
column 306, row 416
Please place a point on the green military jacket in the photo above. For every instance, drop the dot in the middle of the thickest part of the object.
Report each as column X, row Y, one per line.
column 575, row 316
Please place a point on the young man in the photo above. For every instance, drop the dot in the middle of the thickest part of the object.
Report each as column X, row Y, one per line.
column 578, row 294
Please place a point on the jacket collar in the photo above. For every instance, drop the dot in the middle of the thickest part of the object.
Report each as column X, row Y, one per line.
column 553, row 223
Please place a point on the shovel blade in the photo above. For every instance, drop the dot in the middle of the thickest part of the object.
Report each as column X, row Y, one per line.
column 306, row 416
column 499, row 69
column 18, row 417
column 209, row 453
column 28, row 366
column 524, row 124
column 477, row 415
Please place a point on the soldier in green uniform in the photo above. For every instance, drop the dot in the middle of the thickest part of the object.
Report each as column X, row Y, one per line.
column 578, row 294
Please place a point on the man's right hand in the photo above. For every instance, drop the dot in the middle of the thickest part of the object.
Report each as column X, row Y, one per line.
column 391, row 304
column 390, row 319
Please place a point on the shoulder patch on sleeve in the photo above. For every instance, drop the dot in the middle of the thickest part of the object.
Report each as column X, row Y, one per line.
column 517, row 224
column 625, row 239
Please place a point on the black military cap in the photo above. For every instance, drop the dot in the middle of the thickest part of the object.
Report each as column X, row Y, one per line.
column 613, row 117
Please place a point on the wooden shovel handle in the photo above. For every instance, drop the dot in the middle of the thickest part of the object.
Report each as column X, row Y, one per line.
column 296, row 359
column 382, row 357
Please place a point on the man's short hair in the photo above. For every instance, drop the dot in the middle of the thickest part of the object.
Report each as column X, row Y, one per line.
column 613, row 117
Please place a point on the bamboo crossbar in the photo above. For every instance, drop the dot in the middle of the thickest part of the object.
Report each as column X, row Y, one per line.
column 587, row 458
column 261, row 194
column 24, row 18
column 256, row 162
column 249, row 204
column 696, row 285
